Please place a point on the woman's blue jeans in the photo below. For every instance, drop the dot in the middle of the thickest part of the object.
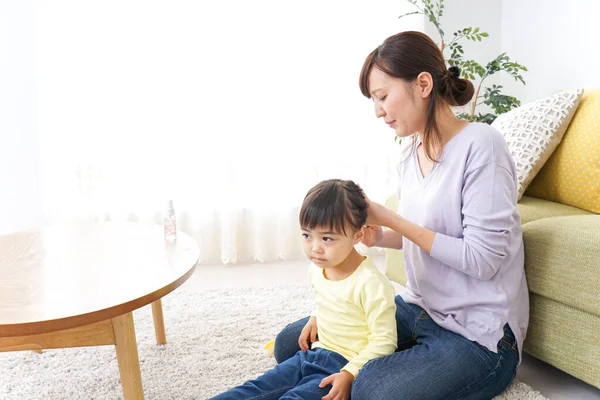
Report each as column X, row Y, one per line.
column 431, row 362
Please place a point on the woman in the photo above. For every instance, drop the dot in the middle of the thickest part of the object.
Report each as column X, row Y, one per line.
column 463, row 317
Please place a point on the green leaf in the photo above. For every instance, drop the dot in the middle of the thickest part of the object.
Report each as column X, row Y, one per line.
column 410, row 13
column 485, row 118
column 464, row 116
column 498, row 102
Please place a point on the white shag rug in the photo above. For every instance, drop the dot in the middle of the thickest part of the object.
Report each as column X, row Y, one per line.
column 215, row 340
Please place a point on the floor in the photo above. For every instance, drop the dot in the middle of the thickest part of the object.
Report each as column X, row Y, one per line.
column 551, row 382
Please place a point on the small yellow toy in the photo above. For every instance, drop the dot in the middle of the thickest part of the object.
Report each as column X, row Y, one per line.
column 270, row 347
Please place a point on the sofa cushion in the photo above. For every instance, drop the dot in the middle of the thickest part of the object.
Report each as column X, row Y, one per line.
column 394, row 266
column 532, row 209
column 394, row 261
column 534, row 130
column 571, row 174
column 561, row 260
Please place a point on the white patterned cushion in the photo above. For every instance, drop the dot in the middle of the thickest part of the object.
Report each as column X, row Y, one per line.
column 534, row 130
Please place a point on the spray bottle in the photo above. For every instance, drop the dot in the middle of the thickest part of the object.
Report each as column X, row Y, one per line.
column 170, row 223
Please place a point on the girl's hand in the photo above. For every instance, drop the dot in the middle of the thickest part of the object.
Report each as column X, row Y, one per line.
column 341, row 386
column 372, row 236
column 308, row 334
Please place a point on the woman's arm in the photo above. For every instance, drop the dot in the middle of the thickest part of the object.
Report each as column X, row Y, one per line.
column 398, row 227
column 376, row 236
column 488, row 217
column 488, row 207
column 391, row 239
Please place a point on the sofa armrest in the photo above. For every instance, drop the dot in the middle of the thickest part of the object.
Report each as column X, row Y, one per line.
column 532, row 209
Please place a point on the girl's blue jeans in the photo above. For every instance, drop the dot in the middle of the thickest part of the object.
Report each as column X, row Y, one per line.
column 431, row 362
column 297, row 377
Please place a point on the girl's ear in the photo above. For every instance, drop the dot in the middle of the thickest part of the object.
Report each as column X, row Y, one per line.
column 358, row 235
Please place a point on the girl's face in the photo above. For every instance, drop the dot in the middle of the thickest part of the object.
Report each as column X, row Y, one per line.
column 401, row 105
column 328, row 249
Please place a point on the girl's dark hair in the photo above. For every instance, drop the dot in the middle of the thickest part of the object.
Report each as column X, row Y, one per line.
column 405, row 55
column 335, row 204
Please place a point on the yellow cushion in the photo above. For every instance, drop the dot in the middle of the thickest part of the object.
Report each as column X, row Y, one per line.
column 572, row 174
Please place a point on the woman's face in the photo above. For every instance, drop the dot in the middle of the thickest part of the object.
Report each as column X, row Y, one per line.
column 400, row 104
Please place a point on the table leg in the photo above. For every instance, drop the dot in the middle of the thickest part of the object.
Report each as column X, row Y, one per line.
column 127, row 357
column 159, row 323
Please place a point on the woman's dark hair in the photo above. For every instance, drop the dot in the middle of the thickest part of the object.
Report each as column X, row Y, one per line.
column 405, row 55
column 336, row 204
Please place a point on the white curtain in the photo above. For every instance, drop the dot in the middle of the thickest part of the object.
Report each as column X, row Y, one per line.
column 233, row 109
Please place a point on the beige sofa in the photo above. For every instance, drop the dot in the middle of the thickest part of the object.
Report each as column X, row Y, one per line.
column 562, row 251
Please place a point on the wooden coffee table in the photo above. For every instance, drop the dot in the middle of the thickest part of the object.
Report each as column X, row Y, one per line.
column 77, row 285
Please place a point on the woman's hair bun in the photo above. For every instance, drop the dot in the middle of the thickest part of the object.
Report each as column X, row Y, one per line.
column 455, row 90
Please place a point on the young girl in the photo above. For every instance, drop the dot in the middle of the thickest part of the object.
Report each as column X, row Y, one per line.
column 354, row 320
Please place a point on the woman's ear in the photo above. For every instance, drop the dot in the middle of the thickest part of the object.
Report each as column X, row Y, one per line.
column 424, row 84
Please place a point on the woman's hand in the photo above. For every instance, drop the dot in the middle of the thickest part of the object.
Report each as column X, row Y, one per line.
column 372, row 235
column 308, row 334
column 379, row 216
column 376, row 213
column 341, row 386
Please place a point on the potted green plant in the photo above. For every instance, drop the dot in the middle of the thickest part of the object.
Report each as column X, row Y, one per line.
column 491, row 96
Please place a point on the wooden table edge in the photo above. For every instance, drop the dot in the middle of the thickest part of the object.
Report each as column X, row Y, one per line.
column 38, row 327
